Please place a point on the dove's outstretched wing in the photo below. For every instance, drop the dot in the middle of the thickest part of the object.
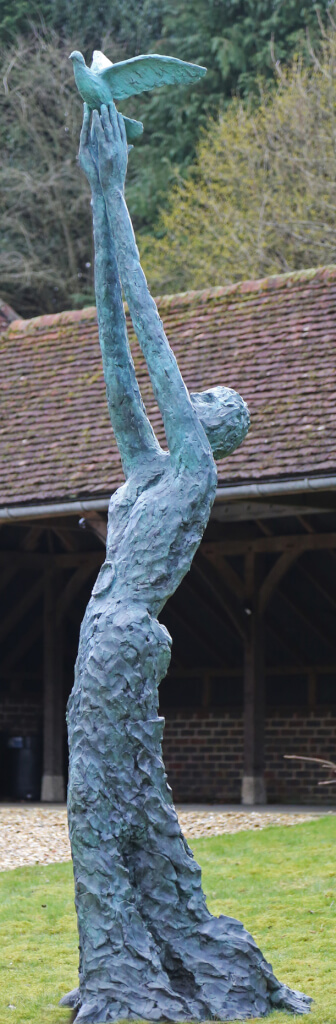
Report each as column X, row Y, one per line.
column 129, row 77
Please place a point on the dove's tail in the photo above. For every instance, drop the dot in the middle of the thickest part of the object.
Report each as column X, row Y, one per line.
column 133, row 128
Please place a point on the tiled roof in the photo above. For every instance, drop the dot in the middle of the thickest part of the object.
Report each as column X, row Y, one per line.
column 272, row 340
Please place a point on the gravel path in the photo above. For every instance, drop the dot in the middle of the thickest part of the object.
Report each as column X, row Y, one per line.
column 39, row 835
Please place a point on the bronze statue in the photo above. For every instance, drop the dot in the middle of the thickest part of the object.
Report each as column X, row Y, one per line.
column 149, row 947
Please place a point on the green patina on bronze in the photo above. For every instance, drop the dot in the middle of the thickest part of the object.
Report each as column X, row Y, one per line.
column 104, row 82
column 149, row 947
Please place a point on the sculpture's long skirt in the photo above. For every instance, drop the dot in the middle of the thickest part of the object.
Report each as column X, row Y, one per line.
column 148, row 945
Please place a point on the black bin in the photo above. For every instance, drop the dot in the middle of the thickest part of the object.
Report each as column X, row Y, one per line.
column 24, row 767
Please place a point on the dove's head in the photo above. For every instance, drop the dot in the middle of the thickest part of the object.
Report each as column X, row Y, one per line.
column 224, row 417
column 77, row 57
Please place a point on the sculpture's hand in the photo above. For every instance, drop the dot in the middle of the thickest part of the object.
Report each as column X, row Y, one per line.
column 88, row 151
column 110, row 133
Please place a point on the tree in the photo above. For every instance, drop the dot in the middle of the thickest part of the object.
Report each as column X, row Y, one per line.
column 261, row 197
column 45, row 249
column 45, row 246
column 234, row 39
column 131, row 25
column 238, row 41
column 18, row 18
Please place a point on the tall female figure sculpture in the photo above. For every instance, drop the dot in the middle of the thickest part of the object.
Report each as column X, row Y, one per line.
column 149, row 948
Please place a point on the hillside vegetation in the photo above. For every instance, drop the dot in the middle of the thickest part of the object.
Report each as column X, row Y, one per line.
column 45, row 246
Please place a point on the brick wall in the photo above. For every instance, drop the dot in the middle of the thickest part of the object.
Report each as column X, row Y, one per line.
column 203, row 755
column 203, row 752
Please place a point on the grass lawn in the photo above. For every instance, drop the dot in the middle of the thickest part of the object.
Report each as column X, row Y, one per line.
column 281, row 882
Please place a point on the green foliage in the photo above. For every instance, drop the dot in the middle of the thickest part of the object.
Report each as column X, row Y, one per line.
column 238, row 41
column 261, row 196
column 46, row 238
column 130, row 24
column 280, row 882
column 18, row 17
column 232, row 38
column 235, row 38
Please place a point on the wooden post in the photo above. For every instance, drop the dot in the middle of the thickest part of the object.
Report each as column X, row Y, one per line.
column 312, row 690
column 53, row 788
column 253, row 783
column 207, row 688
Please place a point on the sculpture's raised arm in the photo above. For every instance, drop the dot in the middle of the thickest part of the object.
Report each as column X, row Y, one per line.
column 180, row 420
column 135, row 438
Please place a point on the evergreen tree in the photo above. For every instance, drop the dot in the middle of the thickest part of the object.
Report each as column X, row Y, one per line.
column 130, row 25
column 260, row 198
column 238, row 41
column 19, row 17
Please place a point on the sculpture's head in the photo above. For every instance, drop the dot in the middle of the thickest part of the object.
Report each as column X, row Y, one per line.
column 225, row 418
column 77, row 57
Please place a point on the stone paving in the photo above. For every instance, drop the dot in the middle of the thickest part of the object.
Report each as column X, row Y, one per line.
column 38, row 834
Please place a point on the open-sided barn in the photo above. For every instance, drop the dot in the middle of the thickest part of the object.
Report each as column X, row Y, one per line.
column 253, row 671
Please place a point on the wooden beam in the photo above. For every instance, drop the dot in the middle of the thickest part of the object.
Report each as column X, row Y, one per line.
column 253, row 781
column 302, row 542
column 262, row 526
column 285, row 641
column 188, row 588
column 207, row 691
column 306, row 525
column 73, row 586
column 226, row 599
column 324, row 501
column 253, row 785
column 93, row 558
column 195, row 632
column 31, row 538
column 97, row 523
column 229, row 575
column 25, row 641
column 272, row 670
column 53, row 700
column 274, row 576
column 310, row 622
column 312, row 691
column 240, row 510
column 250, row 581
column 21, row 607
column 22, row 559
column 7, row 573
column 209, row 550
column 311, row 577
column 22, row 676
column 305, row 503
column 66, row 537
column 36, row 560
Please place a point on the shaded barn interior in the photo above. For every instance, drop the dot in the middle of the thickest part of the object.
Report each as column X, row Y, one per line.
column 47, row 571
column 253, row 670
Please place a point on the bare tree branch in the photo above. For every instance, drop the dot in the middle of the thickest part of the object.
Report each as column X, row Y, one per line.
column 315, row 760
